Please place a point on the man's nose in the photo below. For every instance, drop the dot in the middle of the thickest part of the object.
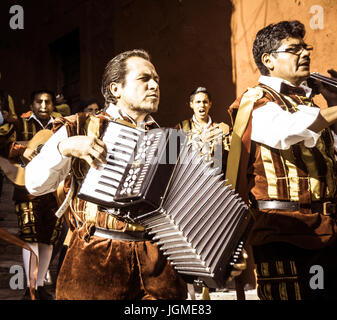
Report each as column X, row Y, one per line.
column 306, row 53
column 153, row 84
column 43, row 105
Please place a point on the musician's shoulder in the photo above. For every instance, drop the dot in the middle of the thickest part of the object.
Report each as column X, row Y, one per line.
column 26, row 115
column 184, row 125
column 254, row 93
column 224, row 127
column 125, row 123
column 56, row 114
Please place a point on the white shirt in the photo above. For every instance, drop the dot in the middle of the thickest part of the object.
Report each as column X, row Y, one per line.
column 45, row 172
column 279, row 129
column 1, row 118
column 51, row 120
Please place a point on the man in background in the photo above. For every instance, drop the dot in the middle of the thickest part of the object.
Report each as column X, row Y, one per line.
column 38, row 225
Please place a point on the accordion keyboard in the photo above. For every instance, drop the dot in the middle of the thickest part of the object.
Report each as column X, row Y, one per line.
column 139, row 170
column 132, row 156
column 100, row 185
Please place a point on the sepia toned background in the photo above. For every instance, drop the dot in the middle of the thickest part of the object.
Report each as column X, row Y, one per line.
column 65, row 45
column 318, row 16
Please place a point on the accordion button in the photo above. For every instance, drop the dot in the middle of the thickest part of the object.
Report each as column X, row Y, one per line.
column 132, row 183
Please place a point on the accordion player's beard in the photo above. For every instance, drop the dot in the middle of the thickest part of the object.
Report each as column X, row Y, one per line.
column 147, row 108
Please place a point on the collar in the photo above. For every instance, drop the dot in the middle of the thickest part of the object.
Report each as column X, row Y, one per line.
column 33, row 116
column 276, row 84
column 200, row 125
column 117, row 113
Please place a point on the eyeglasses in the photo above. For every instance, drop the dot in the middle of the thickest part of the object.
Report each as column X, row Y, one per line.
column 296, row 50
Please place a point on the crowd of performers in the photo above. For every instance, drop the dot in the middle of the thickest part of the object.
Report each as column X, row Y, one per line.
column 278, row 152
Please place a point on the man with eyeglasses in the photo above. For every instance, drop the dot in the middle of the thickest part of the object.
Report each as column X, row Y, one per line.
column 284, row 146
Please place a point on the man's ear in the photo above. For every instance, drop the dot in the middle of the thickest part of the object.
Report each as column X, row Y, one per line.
column 267, row 61
column 115, row 89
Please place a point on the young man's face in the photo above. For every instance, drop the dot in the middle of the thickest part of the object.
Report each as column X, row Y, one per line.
column 140, row 92
column 201, row 105
column 42, row 106
column 294, row 68
column 91, row 108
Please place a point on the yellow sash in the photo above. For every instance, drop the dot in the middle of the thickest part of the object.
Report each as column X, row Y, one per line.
column 245, row 109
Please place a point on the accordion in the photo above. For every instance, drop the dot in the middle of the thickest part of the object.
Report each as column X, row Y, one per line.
column 157, row 178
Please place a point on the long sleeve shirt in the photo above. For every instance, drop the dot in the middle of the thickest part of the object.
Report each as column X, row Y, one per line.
column 277, row 128
column 50, row 167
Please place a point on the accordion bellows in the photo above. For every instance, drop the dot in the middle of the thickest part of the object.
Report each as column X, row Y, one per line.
column 196, row 219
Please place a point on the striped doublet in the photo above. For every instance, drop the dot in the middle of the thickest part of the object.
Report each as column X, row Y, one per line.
column 299, row 173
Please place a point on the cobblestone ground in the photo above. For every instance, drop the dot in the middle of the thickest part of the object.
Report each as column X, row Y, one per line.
column 11, row 255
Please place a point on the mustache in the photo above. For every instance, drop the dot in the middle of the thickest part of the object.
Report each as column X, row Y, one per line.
column 305, row 61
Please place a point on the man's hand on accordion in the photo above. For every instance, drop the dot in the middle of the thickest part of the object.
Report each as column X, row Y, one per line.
column 239, row 266
column 90, row 149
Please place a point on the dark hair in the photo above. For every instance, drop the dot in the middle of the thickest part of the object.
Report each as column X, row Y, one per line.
column 269, row 39
column 115, row 71
column 41, row 91
column 87, row 102
column 200, row 90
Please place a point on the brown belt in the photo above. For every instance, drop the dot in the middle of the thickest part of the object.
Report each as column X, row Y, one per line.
column 326, row 208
